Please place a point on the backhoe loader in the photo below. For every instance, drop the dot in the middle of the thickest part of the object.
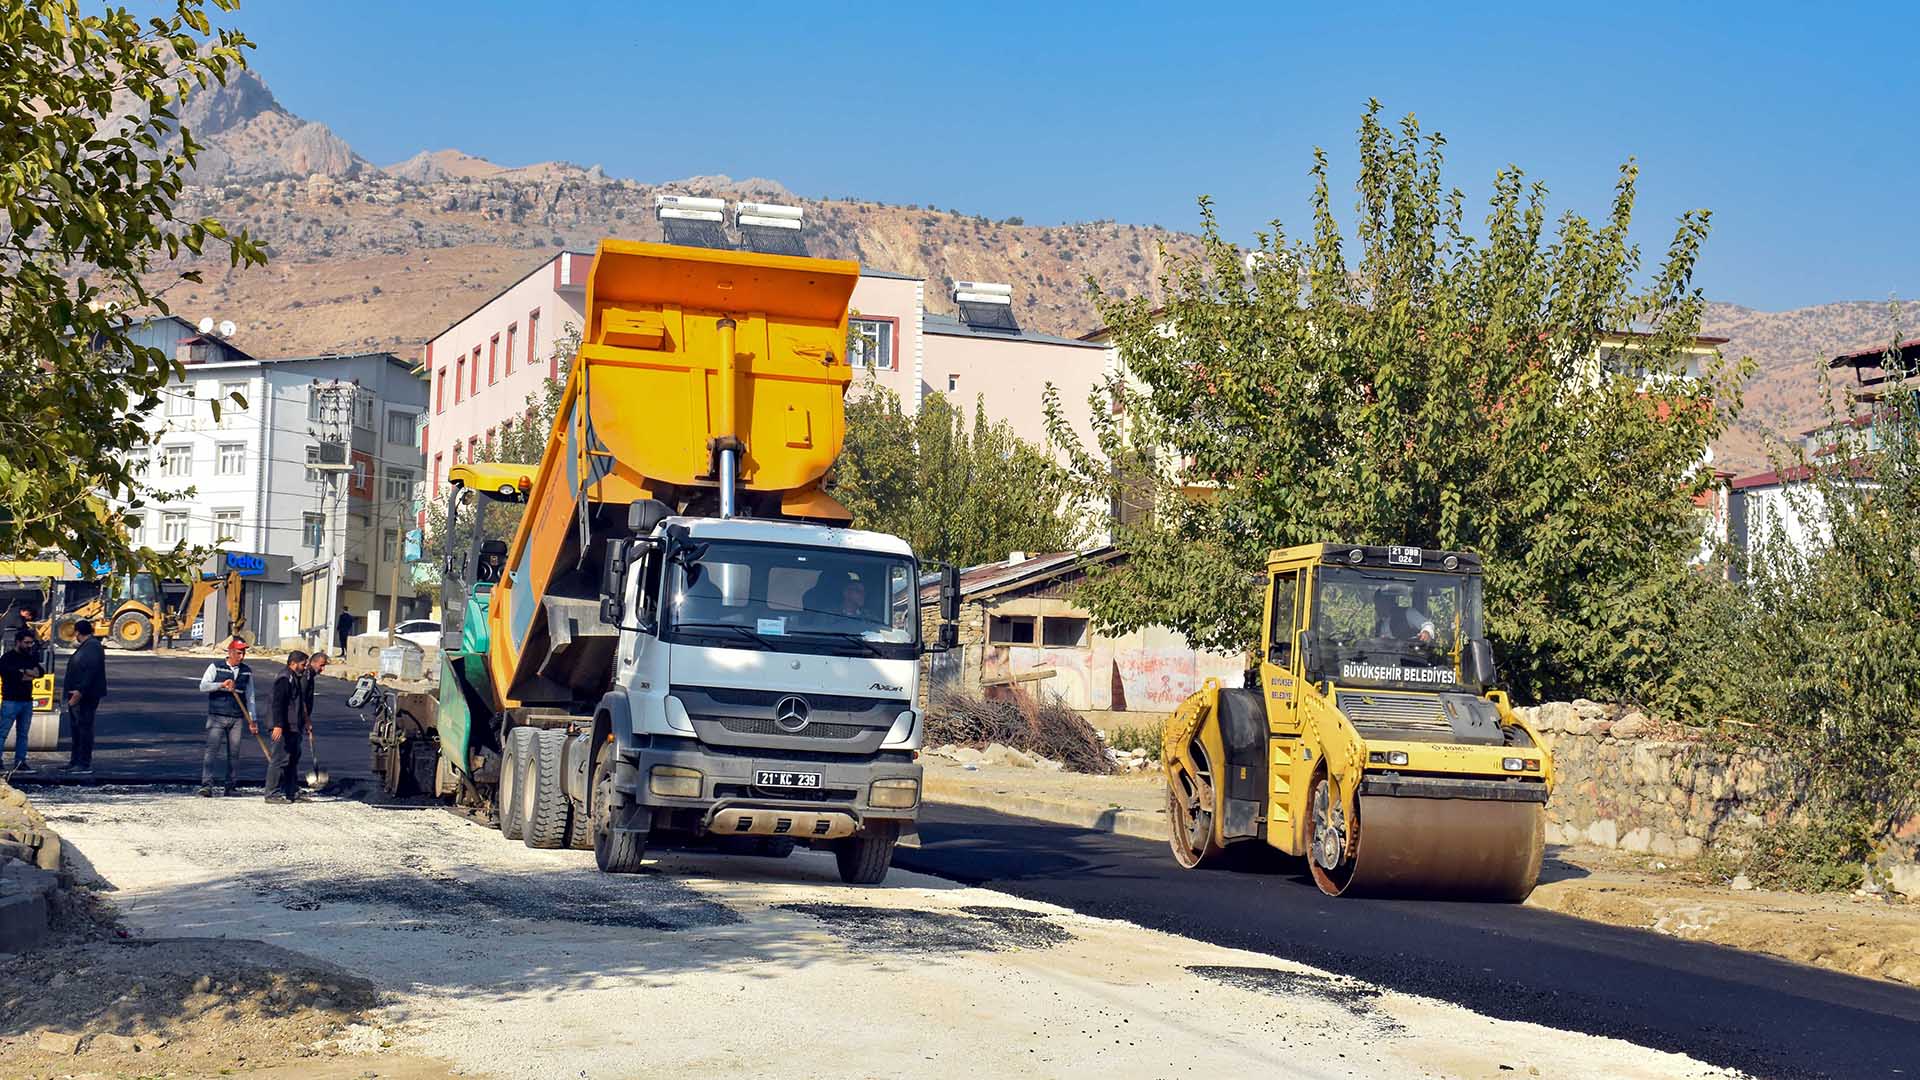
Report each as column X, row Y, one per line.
column 1373, row 742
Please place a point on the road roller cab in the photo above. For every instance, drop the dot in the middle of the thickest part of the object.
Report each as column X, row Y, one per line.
column 1374, row 743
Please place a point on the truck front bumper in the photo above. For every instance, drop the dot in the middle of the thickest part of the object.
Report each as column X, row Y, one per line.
column 732, row 802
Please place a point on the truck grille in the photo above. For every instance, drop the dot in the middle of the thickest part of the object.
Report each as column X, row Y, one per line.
column 745, row 725
column 1370, row 710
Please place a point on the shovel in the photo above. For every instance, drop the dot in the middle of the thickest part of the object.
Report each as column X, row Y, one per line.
column 251, row 726
column 317, row 776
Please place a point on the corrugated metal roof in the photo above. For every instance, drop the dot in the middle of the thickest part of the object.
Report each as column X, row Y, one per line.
column 997, row 576
column 952, row 327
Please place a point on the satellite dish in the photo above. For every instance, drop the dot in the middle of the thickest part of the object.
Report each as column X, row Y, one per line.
column 206, row 325
column 227, row 328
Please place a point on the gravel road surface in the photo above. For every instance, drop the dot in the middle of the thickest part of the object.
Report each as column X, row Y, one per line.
column 505, row 961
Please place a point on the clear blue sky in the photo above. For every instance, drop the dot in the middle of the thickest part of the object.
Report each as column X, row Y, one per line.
column 1795, row 124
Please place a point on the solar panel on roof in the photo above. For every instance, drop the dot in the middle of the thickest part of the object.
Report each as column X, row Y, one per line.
column 773, row 241
column 988, row 316
column 706, row 234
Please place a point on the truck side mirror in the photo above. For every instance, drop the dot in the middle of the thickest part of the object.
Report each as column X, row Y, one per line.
column 1480, row 663
column 613, row 582
column 949, row 593
column 949, row 636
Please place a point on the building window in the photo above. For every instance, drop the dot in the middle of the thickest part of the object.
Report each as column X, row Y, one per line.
column 533, row 344
column 363, row 408
column 173, row 527
column 401, row 427
column 362, row 475
column 1010, row 630
column 456, row 452
column 870, row 343
column 436, row 475
column 398, row 486
column 475, row 387
column 180, row 401
column 389, row 545
column 459, row 380
column 226, row 525
column 513, row 330
column 493, row 358
column 953, row 383
column 176, row 462
column 313, row 530
column 227, row 392
column 473, row 449
column 315, row 475
column 316, row 402
column 440, row 393
column 231, row 459
column 1060, row 631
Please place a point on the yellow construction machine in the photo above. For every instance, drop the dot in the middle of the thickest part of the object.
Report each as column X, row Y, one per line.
column 1374, row 742
column 132, row 610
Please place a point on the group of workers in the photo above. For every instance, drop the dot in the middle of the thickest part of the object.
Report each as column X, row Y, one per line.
column 86, row 683
column 228, row 685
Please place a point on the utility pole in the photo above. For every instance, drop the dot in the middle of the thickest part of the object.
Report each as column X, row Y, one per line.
column 393, row 570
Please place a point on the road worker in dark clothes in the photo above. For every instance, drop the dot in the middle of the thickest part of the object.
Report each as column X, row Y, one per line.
column 289, row 715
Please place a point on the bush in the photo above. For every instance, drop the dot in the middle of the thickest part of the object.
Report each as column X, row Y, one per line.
column 1050, row 730
column 1141, row 737
column 1800, row 857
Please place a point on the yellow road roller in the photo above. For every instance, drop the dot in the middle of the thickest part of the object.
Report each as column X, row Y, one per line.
column 1374, row 742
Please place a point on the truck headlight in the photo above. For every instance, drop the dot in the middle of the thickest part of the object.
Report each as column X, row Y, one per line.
column 673, row 782
column 1512, row 764
column 895, row 794
column 902, row 729
column 677, row 717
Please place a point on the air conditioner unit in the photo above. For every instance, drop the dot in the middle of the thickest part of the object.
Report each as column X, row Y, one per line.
column 332, row 457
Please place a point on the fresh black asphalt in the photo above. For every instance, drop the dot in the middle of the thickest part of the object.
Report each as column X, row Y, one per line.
column 1764, row 1016
column 151, row 727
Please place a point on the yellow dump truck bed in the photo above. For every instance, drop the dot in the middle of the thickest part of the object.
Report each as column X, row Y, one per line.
column 650, row 398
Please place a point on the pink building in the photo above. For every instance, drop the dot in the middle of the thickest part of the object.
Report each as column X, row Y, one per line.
column 485, row 369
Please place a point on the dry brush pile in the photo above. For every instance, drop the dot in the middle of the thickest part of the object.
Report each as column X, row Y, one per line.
column 1047, row 729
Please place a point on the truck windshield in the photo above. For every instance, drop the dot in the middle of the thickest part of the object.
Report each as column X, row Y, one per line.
column 793, row 599
column 1388, row 628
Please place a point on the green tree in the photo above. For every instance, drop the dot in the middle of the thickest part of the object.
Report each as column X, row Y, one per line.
column 1416, row 385
column 1816, row 655
column 960, row 490
column 95, row 162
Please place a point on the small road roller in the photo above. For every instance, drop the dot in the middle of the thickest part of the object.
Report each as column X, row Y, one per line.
column 1374, row 742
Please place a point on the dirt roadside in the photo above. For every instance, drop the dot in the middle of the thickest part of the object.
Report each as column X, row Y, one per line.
column 1874, row 936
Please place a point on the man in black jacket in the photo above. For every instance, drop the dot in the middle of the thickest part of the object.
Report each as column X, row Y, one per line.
column 86, row 684
column 290, row 714
column 19, row 667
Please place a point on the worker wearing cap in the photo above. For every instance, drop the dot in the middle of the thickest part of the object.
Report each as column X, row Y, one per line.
column 229, row 688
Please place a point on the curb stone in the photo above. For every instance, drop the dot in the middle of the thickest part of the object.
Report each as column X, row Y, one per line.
column 1137, row 824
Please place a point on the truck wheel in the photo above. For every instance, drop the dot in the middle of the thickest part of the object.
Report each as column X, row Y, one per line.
column 544, row 821
column 613, row 852
column 133, row 631
column 865, row 856
column 506, row 799
column 63, row 632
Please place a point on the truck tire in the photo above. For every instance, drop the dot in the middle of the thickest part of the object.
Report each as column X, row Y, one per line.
column 544, row 822
column 506, row 799
column 865, row 856
column 132, row 631
column 613, row 852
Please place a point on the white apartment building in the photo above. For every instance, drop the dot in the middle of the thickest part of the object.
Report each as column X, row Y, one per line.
column 328, row 539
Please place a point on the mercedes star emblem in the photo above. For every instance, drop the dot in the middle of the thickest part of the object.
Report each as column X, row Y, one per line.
column 790, row 713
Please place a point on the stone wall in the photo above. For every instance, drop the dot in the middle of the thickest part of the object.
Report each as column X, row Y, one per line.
column 1625, row 781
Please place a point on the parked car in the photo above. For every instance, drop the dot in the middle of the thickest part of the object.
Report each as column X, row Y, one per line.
column 424, row 633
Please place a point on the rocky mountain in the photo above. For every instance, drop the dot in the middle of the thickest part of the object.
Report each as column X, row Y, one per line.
column 365, row 257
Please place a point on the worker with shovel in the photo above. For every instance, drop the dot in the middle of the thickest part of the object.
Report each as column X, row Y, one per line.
column 229, row 689
column 292, row 713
